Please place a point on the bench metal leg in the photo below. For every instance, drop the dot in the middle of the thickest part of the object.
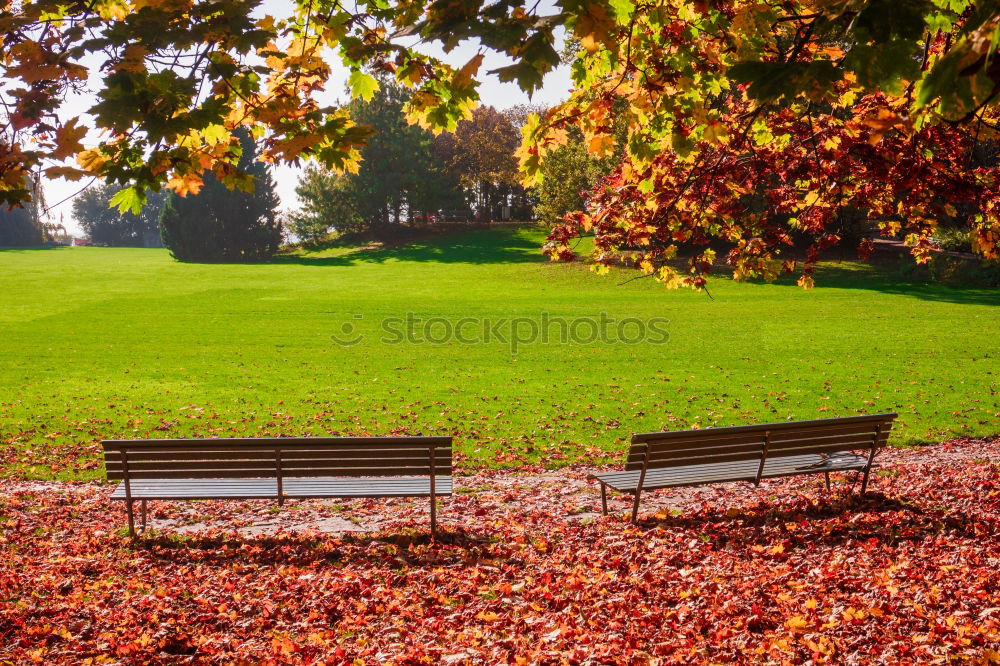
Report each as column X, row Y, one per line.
column 864, row 481
column 635, row 507
column 131, row 519
column 433, row 515
column 142, row 506
column 827, row 475
column 604, row 499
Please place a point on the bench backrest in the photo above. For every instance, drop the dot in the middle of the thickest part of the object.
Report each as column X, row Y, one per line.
column 773, row 440
column 281, row 457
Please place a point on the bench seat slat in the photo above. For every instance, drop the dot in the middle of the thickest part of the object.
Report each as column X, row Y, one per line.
column 251, row 473
column 665, row 450
column 178, row 489
column 695, row 458
column 638, row 453
column 718, row 473
column 113, row 456
column 825, row 447
column 828, row 431
column 825, row 436
column 743, row 439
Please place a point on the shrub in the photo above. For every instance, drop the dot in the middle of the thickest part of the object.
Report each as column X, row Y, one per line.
column 953, row 239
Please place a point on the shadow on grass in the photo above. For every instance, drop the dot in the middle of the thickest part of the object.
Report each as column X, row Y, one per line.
column 887, row 279
column 30, row 248
column 487, row 246
column 513, row 245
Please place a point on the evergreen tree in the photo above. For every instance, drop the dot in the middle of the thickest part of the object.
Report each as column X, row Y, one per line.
column 399, row 178
column 17, row 228
column 399, row 173
column 23, row 226
column 219, row 224
column 569, row 172
column 327, row 203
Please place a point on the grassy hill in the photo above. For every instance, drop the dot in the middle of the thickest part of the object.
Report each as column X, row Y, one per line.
column 101, row 342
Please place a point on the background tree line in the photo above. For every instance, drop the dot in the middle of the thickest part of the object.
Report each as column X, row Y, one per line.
column 409, row 176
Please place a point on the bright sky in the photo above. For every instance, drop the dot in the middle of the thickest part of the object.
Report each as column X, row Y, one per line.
column 59, row 193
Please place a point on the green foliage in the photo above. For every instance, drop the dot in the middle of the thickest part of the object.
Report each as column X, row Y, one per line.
column 953, row 239
column 127, row 200
column 955, row 272
column 399, row 175
column 220, row 224
column 567, row 174
column 363, row 86
column 870, row 104
column 103, row 224
column 17, row 229
column 327, row 203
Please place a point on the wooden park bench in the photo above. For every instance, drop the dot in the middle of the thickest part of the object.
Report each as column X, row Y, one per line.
column 278, row 469
column 748, row 453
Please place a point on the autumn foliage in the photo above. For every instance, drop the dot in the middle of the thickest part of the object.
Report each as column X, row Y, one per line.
column 785, row 177
column 753, row 128
column 524, row 575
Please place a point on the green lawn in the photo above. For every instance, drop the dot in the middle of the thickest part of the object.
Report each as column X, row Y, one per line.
column 102, row 343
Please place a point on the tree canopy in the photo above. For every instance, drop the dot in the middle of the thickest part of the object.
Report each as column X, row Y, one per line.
column 746, row 122
column 481, row 155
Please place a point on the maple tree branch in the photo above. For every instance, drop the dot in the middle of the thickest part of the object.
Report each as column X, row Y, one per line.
column 795, row 17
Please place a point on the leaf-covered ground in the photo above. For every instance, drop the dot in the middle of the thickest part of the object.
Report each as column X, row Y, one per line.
column 524, row 573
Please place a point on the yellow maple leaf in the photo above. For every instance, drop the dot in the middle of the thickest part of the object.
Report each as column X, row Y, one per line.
column 68, row 140
column 290, row 149
column 594, row 28
column 91, row 160
column 69, row 173
column 185, row 184
column 133, row 60
column 601, row 145
column 797, row 623
column 469, row 70
column 716, row 132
